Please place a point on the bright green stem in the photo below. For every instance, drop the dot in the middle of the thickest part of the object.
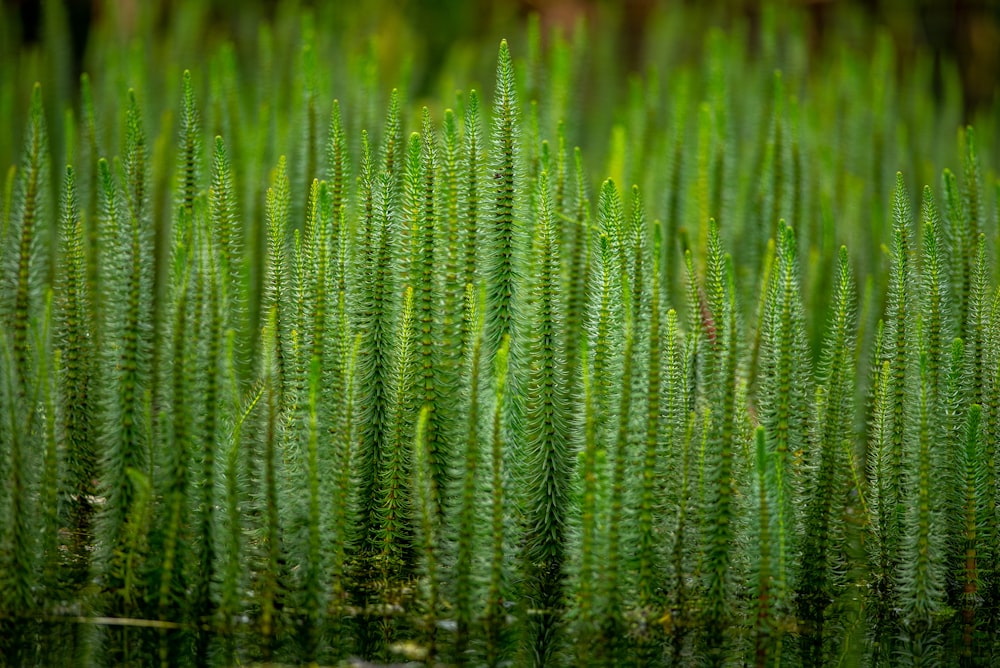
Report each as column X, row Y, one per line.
column 466, row 527
column 494, row 615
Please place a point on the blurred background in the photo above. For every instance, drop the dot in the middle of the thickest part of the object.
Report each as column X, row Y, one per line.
column 963, row 32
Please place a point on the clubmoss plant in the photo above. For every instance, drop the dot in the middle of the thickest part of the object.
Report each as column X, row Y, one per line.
column 499, row 267
column 546, row 492
column 283, row 383
column 823, row 552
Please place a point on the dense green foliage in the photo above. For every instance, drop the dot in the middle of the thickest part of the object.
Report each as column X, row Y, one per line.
column 674, row 371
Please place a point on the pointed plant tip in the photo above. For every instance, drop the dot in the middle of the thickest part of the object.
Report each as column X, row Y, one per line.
column 789, row 237
column 36, row 99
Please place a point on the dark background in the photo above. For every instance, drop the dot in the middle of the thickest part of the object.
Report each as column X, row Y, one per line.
column 966, row 32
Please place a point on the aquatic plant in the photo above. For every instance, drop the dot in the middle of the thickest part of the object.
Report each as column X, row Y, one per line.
column 668, row 371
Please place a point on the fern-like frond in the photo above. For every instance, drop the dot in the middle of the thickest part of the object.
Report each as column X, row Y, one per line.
column 189, row 163
column 494, row 617
column 823, row 551
column 546, row 492
column 785, row 378
column 500, row 269
column 24, row 263
column 719, row 519
column 470, row 199
column 465, row 588
column 396, row 516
